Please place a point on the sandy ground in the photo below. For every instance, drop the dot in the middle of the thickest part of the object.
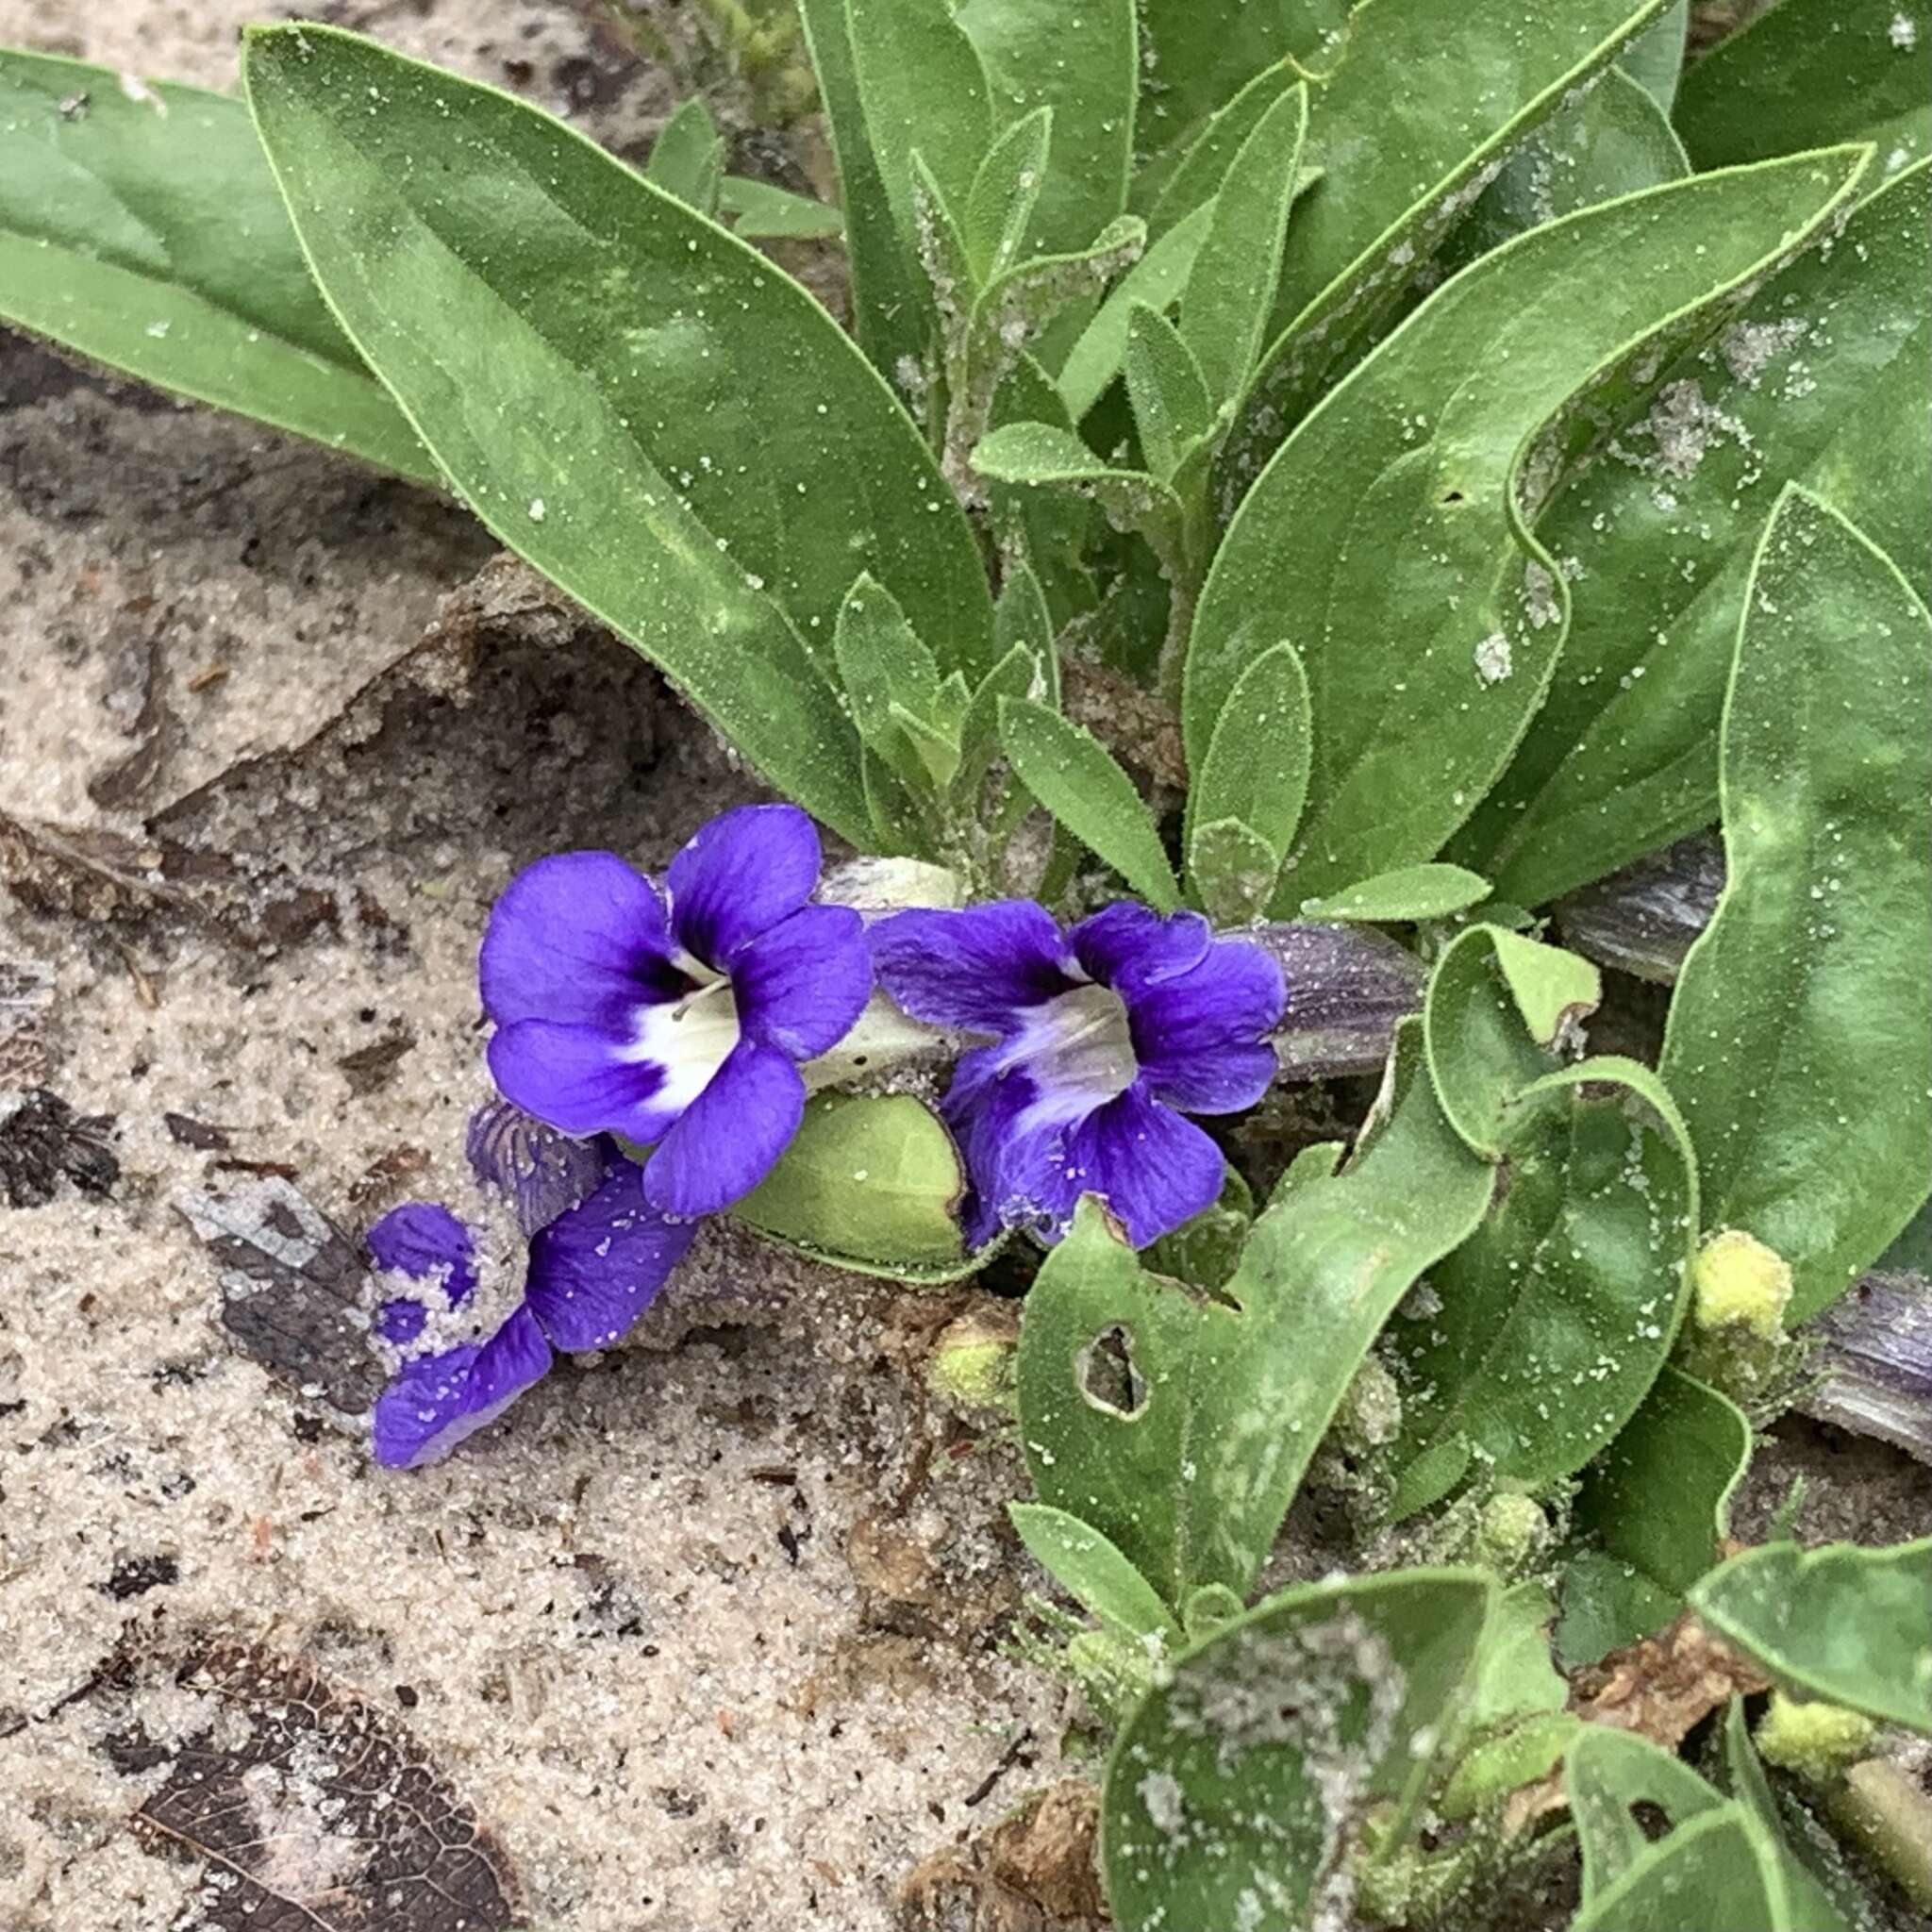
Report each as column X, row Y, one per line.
column 709, row 1639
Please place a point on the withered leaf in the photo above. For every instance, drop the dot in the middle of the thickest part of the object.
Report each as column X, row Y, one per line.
column 291, row 1289
column 373, row 1066
column 43, row 1142
column 26, row 990
column 313, row 1812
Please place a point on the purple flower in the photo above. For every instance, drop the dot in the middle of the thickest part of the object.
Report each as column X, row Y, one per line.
column 592, row 1254
column 1104, row 1037
column 679, row 1023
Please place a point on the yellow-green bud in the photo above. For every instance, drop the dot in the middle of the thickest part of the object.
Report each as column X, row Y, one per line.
column 1816, row 1740
column 1511, row 1530
column 972, row 1363
column 1371, row 1413
column 1740, row 1283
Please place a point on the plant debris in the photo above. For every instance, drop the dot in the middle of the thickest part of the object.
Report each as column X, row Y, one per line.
column 291, row 1287
column 311, row 1813
column 43, row 1142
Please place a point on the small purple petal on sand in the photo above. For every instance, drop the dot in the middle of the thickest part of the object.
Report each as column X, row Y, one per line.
column 746, row 871
column 731, row 1137
column 1200, row 1038
column 596, row 1270
column 801, row 984
column 434, row 1402
column 973, row 968
column 1155, row 1169
column 1129, row 946
column 401, row 1321
column 576, row 1079
column 579, row 937
column 426, row 1241
column 542, row 1173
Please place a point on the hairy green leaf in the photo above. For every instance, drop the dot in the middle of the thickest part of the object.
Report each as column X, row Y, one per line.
column 1173, row 410
column 1607, row 1771
column 1257, row 767
column 1076, row 777
column 1237, row 1786
column 1230, row 291
column 1388, row 537
column 1408, row 893
column 760, row 212
column 707, row 478
column 1804, row 73
column 1848, row 1624
column 1825, row 378
column 1092, row 1571
column 687, row 157
column 141, row 226
column 1655, row 1504
column 1006, row 189
column 1400, row 163
column 1556, row 1316
column 1823, row 1148
column 1155, row 281
column 1081, row 62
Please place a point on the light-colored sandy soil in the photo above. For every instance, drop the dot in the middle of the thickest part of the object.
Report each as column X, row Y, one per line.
column 708, row 1635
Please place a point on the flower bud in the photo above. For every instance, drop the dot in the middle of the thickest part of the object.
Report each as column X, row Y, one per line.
column 1510, row 1532
column 1816, row 1740
column 972, row 1363
column 1738, row 1282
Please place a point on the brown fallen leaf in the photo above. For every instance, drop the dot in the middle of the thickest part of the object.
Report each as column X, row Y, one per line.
column 310, row 1811
column 291, row 1287
column 43, row 1142
column 1665, row 1685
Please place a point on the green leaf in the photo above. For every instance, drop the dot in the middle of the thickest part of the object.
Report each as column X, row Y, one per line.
column 636, row 466
column 1615, row 140
column 1388, row 535
column 1721, row 1868
column 1082, row 62
column 1225, row 308
column 1825, row 378
column 1172, row 411
column 1322, row 1270
column 1104, row 1372
column 1233, row 869
column 1206, row 1251
column 1654, row 59
column 865, row 1180
column 1519, row 1756
column 1255, row 771
column 1807, row 73
column 1199, row 55
column 1193, row 174
column 1497, row 1006
column 1241, row 1779
column 1155, row 281
column 1401, row 897
column 140, row 226
column 1076, row 777
column 687, row 157
column 887, row 672
column 1818, row 943
column 1516, row 1709
column 1092, row 1572
column 890, row 301
column 1851, row 1625
column 1004, row 191
column 1811, row 1905
column 1609, row 1771
column 761, row 212
column 1398, row 163
column 923, row 85
column 1043, row 455
column 1654, row 1503
column 1557, row 1314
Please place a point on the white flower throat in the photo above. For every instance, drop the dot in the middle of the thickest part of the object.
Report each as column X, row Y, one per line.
column 689, row 1037
column 1079, row 1050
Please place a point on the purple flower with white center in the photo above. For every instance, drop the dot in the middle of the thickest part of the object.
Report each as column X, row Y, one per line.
column 591, row 1251
column 681, row 1024
column 1104, row 1037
